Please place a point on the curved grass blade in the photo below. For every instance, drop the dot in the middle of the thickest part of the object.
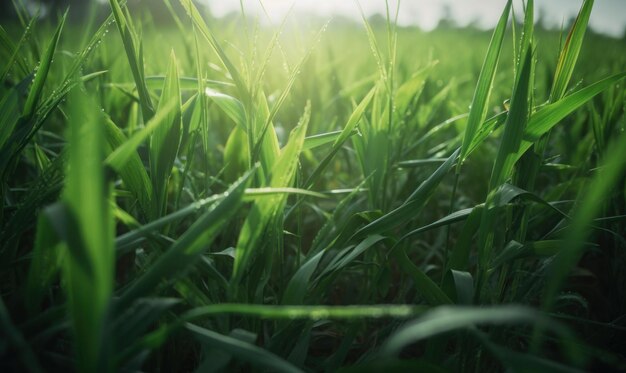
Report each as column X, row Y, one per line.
column 185, row 251
column 231, row 106
column 129, row 165
column 426, row 287
column 412, row 206
column 446, row 319
column 242, row 350
column 548, row 116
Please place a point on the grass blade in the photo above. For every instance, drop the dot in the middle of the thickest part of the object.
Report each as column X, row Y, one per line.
column 135, row 58
column 263, row 211
column 165, row 139
column 569, row 53
column 34, row 95
column 184, row 252
column 480, row 101
column 90, row 234
column 242, row 350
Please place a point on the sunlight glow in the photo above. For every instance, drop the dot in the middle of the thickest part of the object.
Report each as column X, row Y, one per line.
column 608, row 16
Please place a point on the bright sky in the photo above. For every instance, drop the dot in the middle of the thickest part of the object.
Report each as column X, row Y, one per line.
column 608, row 16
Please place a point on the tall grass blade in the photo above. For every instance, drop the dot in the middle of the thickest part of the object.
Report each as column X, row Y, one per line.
column 165, row 139
column 41, row 74
column 516, row 122
column 135, row 58
column 569, row 53
column 478, row 110
column 201, row 26
column 90, row 234
column 263, row 211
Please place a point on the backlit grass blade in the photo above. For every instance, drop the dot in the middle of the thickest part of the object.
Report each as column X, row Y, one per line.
column 478, row 110
column 165, row 139
column 550, row 115
column 269, row 312
column 344, row 135
column 201, row 26
column 354, row 119
column 24, row 130
column 90, row 234
column 569, row 53
column 129, row 165
column 447, row 319
column 230, row 105
column 264, row 210
column 410, row 91
column 135, row 58
column 526, row 39
column 123, row 154
column 259, row 135
column 267, row 145
column 236, row 154
column 315, row 141
column 41, row 74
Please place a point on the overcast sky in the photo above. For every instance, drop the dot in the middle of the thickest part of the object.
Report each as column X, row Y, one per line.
column 608, row 16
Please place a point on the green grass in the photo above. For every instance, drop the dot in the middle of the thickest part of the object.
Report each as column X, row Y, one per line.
column 224, row 195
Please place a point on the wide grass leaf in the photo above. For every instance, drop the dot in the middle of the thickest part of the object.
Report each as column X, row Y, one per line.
column 90, row 231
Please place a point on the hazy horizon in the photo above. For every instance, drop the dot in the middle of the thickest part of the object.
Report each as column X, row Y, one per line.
column 608, row 16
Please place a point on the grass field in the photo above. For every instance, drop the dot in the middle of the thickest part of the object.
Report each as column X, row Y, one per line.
column 224, row 195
